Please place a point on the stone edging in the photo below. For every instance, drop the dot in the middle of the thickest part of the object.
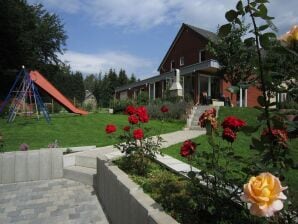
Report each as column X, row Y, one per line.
column 123, row 200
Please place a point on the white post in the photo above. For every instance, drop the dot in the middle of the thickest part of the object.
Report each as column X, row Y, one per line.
column 240, row 97
column 209, row 85
column 245, row 102
column 154, row 90
column 149, row 91
column 199, row 87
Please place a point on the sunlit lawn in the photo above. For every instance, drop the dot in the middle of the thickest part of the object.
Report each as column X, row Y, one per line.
column 71, row 130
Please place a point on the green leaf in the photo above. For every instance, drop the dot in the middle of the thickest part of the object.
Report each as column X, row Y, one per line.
column 248, row 130
column 231, row 15
column 249, row 42
column 263, row 27
column 239, row 7
column 224, row 30
column 262, row 1
column 261, row 101
column 262, row 11
column 265, row 39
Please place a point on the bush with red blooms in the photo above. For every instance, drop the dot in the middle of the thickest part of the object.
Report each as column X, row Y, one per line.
column 110, row 128
column 130, row 110
column 133, row 119
column 134, row 143
column 229, row 135
column 138, row 133
column 279, row 135
column 208, row 116
column 188, row 148
column 233, row 123
column 164, row 109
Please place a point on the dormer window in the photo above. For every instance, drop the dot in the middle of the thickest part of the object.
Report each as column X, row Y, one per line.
column 202, row 55
column 181, row 61
column 172, row 65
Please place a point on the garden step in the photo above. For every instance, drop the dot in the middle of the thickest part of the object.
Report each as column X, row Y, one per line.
column 81, row 174
column 86, row 161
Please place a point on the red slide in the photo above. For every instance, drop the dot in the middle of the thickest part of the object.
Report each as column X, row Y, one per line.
column 41, row 81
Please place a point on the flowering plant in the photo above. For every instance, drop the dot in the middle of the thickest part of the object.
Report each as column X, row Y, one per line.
column 264, row 194
column 233, row 123
column 137, row 147
column 208, row 118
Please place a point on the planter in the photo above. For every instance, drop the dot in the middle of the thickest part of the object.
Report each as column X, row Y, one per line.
column 123, row 200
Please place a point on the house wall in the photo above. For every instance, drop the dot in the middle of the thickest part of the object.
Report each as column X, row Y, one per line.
column 188, row 45
column 252, row 96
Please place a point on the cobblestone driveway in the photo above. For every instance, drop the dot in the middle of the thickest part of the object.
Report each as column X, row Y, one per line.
column 54, row 201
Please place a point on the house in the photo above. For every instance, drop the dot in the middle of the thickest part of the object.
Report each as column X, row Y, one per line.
column 198, row 71
column 89, row 101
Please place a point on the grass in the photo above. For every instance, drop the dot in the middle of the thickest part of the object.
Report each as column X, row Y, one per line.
column 242, row 145
column 71, row 130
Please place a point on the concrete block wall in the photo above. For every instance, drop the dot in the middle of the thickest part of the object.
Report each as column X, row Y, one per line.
column 123, row 200
column 22, row 166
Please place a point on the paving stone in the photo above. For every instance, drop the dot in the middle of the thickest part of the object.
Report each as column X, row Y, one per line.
column 51, row 201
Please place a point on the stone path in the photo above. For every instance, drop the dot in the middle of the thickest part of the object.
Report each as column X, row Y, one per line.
column 52, row 201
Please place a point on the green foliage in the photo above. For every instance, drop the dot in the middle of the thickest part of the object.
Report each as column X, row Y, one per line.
column 119, row 106
column 70, row 130
column 177, row 111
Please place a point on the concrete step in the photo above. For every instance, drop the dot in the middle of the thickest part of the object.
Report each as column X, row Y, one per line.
column 86, row 161
column 197, row 128
column 81, row 174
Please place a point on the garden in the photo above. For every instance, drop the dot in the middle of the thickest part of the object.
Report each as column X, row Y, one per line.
column 247, row 160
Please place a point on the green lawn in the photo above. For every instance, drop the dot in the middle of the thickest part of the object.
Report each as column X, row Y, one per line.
column 71, row 130
column 241, row 145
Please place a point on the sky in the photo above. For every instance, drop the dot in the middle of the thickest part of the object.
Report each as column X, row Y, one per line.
column 135, row 34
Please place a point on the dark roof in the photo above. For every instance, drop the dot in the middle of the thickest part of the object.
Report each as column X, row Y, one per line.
column 204, row 33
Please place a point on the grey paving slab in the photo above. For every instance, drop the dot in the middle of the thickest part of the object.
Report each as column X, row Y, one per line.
column 50, row 201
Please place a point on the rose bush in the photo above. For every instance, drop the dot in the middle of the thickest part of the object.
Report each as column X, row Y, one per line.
column 233, row 123
column 188, row 148
column 110, row 128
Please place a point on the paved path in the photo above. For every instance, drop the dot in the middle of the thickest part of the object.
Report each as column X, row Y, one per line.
column 54, row 201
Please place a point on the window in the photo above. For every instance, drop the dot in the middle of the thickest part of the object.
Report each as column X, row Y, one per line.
column 172, row 65
column 181, row 61
column 202, row 55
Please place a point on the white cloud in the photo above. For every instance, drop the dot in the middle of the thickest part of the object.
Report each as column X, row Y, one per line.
column 95, row 63
column 136, row 14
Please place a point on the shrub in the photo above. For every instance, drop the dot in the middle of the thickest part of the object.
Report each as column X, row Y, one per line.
column 120, row 105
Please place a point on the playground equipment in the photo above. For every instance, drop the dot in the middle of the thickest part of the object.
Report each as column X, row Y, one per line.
column 24, row 95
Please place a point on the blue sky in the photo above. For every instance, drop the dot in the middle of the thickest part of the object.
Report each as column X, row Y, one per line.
column 135, row 34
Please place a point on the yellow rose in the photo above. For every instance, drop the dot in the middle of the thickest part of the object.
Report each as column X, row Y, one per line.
column 264, row 195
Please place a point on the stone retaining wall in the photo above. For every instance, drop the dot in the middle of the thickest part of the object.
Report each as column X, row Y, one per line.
column 21, row 166
column 124, row 202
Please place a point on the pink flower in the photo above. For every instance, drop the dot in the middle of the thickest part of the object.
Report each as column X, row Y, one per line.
column 279, row 135
column 110, row 128
column 188, row 148
column 208, row 116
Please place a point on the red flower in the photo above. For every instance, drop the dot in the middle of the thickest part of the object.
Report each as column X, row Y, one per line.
column 279, row 135
column 188, row 148
column 164, row 109
column 229, row 135
column 138, row 133
column 110, row 128
column 130, row 110
column 126, row 128
column 233, row 123
column 142, row 114
column 133, row 119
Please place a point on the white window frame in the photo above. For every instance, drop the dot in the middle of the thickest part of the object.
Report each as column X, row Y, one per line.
column 172, row 61
column 181, row 61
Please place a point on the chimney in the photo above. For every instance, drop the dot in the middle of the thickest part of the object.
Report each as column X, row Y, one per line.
column 176, row 87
